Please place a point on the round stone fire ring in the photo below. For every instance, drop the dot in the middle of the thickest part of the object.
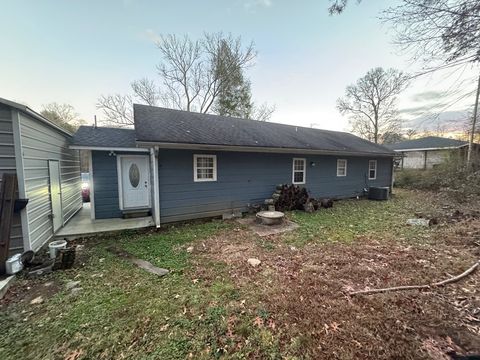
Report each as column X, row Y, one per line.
column 270, row 217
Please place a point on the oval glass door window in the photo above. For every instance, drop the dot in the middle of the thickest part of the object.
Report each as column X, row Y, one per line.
column 134, row 175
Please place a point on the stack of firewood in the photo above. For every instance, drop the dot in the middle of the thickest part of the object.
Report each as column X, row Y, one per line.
column 293, row 197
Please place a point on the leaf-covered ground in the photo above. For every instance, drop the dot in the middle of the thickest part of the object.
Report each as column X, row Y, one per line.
column 294, row 305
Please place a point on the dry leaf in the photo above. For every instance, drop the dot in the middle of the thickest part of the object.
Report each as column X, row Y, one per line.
column 358, row 343
column 74, row 355
column 334, row 326
column 258, row 321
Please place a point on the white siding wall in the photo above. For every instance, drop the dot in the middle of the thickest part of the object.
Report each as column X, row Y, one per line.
column 414, row 160
column 41, row 143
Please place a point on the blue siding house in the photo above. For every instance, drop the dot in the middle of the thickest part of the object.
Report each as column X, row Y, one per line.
column 180, row 165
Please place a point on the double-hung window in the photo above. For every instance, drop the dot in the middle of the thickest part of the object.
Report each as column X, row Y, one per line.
column 204, row 168
column 372, row 169
column 341, row 167
column 299, row 171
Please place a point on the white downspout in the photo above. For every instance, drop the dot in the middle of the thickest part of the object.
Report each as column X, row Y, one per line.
column 156, row 185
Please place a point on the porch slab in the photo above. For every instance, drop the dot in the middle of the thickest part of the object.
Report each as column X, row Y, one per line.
column 5, row 284
column 81, row 225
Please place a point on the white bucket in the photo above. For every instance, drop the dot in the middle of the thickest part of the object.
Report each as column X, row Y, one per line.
column 54, row 246
column 14, row 264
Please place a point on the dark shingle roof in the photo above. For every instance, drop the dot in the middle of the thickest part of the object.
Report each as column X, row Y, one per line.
column 155, row 124
column 104, row 137
column 429, row 142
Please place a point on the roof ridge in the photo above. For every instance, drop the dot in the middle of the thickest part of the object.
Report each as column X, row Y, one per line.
column 106, row 127
column 160, row 124
column 241, row 119
column 431, row 137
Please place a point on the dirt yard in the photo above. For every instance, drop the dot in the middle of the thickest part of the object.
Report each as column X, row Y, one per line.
column 293, row 305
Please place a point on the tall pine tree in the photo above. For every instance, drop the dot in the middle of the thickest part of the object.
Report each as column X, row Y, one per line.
column 235, row 97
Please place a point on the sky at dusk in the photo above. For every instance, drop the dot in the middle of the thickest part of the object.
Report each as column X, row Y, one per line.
column 74, row 51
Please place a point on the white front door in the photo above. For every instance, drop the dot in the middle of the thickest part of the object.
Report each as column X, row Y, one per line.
column 134, row 181
column 55, row 194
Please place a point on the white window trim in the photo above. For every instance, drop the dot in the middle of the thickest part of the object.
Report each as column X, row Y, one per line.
column 214, row 157
column 304, row 171
column 346, row 166
column 370, row 162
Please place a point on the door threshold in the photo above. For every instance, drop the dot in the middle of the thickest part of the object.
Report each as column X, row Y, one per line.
column 136, row 213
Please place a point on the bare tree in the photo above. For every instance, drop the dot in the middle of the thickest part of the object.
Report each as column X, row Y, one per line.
column 411, row 133
column 438, row 32
column 64, row 115
column 442, row 34
column 192, row 73
column 181, row 70
column 117, row 109
column 262, row 112
column 371, row 103
column 338, row 6
column 392, row 137
column 146, row 91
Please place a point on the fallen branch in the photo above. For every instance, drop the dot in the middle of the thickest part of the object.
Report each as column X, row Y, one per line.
column 459, row 277
column 417, row 287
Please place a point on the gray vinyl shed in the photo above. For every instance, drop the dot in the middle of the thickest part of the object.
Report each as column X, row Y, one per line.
column 48, row 174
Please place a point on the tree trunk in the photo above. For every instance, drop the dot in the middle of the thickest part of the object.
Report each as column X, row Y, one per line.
column 474, row 123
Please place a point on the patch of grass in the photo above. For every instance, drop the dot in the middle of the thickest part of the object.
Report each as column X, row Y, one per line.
column 265, row 244
column 167, row 249
column 224, row 290
column 214, row 306
column 351, row 218
column 124, row 311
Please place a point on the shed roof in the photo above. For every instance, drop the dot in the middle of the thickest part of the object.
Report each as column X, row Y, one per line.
column 167, row 126
column 429, row 142
column 33, row 114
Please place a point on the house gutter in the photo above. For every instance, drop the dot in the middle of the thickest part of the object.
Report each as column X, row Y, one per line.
column 430, row 149
column 184, row 146
column 101, row 148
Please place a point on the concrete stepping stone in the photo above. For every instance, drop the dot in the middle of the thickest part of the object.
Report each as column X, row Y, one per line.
column 142, row 264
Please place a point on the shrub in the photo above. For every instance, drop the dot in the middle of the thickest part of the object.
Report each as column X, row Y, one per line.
column 407, row 178
column 452, row 176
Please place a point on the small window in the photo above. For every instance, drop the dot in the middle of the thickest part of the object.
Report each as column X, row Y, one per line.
column 341, row 167
column 299, row 169
column 204, row 168
column 372, row 169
